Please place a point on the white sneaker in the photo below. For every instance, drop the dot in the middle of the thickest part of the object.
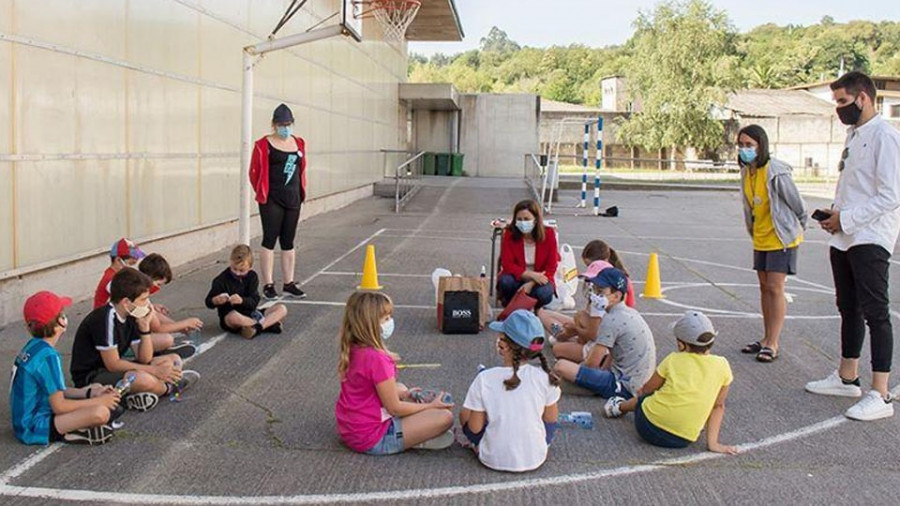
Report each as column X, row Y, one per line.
column 445, row 440
column 833, row 385
column 611, row 409
column 871, row 407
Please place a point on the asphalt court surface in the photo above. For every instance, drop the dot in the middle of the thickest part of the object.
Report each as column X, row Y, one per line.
column 259, row 427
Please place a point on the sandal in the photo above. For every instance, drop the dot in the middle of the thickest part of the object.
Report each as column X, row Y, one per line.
column 752, row 348
column 766, row 355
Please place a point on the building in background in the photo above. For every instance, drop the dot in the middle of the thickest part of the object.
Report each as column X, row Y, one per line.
column 887, row 102
column 123, row 119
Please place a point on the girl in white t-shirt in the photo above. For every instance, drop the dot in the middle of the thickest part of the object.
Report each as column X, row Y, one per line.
column 510, row 413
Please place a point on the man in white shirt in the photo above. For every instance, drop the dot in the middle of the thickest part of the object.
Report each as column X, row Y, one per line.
column 864, row 223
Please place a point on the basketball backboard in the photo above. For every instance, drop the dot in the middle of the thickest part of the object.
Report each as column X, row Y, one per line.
column 351, row 18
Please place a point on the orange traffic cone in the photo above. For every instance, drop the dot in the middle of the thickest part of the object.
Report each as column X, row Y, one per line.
column 653, row 285
column 370, row 271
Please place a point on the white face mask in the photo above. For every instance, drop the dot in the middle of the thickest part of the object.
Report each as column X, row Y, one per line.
column 140, row 311
column 525, row 226
column 387, row 329
column 64, row 322
column 599, row 304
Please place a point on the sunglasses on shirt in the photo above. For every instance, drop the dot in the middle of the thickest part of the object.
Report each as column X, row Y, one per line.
column 844, row 156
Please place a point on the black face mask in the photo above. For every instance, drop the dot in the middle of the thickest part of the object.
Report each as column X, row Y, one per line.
column 850, row 113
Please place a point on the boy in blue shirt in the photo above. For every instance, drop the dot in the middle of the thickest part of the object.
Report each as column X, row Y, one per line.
column 43, row 409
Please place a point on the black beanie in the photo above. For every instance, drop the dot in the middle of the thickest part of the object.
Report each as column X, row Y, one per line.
column 282, row 115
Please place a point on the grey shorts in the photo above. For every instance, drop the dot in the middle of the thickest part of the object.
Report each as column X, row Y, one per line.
column 782, row 260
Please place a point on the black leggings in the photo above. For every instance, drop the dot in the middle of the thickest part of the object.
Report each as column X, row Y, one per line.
column 861, row 286
column 278, row 223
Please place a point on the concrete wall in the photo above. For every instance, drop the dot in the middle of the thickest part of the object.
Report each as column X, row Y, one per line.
column 123, row 119
column 433, row 130
column 497, row 131
column 810, row 144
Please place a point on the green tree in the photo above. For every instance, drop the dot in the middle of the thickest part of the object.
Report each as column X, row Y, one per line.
column 682, row 66
column 497, row 40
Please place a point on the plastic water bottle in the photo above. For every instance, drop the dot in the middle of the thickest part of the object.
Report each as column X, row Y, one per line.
column 555, row 329
column 481, row 369
column 483, row 271
column 583, row 419
column 123, row 386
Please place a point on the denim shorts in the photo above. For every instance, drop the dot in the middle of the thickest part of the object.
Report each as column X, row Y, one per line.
column 392, row 441
column 602, row 382
column 653, row 434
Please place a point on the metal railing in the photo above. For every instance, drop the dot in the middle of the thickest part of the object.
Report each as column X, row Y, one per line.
column 534, row 177
column 407, row 176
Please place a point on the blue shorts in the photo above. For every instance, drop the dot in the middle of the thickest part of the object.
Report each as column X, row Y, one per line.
column 602, row 382
column 653, row 434
column 392, row 441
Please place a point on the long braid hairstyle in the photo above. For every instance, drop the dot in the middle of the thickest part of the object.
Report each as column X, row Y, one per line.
column 522, row 355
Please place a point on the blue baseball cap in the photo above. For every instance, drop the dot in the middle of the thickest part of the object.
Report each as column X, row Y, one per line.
column 612, row 278
column 523, row 327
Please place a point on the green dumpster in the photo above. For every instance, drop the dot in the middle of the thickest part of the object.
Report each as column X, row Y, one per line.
column 456, row 164
column 428, row 164
column 442, row 163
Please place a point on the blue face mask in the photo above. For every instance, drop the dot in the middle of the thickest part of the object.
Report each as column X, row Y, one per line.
column 284, row 131
column 747, row 155
column 387, row 329
column 525, row 226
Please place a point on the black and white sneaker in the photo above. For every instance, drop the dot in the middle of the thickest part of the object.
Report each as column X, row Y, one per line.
column 143, row 401
column 183, row 350
column 114, row 415
column 293, row 290
column 269, row 292
column 188, row 378
column 90, row 436
column 275, row 329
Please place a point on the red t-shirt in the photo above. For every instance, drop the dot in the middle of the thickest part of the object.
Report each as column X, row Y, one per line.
column 101, row 294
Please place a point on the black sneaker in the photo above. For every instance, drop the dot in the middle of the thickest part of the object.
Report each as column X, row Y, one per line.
column 269, row 292
column 293, row 290
column 90, row 436
column 143, row 401
column 183, row 350
column 114, row 422
column 275, row 329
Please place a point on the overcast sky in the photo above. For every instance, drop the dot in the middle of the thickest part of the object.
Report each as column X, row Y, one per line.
column 595, row 23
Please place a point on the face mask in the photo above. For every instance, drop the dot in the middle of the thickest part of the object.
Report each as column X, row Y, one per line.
column 599, row 304
column 387, row 329
column 140, row 311
column 850, row 113
column 283, row 131
column 747, row 155
column 525, row 226
column 64, row 321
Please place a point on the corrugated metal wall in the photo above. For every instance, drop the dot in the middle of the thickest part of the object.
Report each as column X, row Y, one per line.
column 122, row 117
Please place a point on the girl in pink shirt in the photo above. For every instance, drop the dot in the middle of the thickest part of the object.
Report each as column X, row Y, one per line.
column 374, row 412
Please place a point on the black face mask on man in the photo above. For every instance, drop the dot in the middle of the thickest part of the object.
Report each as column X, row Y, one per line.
column 850, row 113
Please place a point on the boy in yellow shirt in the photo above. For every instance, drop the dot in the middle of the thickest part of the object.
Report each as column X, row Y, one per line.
column 686, row 392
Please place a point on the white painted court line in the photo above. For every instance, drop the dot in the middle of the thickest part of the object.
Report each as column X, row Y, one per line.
column 345, row 255
column 380, row 274
column 306, row 302
column 393, row 495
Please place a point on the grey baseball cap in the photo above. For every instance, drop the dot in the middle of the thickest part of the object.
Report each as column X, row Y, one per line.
column 691, row 326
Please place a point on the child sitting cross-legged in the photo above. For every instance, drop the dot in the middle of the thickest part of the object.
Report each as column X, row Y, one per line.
column 43, row 409
column 106, row 333
column 686, row 392
column 510, row 413
column 622, row 356
column 376, row 414
column 235, row 295
column 163, row 326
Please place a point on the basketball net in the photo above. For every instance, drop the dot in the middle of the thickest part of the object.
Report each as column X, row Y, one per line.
column 395, row 16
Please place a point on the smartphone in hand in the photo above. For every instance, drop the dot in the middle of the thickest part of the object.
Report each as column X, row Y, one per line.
column 820, row 215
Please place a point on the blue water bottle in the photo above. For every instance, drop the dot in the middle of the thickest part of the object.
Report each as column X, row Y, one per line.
column 583, row 419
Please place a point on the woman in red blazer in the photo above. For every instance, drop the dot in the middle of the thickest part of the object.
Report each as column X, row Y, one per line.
column 528, row 256
column 278, row 176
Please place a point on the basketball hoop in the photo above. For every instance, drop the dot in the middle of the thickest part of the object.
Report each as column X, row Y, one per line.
column 394, row 16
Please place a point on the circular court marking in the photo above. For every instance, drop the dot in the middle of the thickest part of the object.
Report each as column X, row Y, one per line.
column 416, row 494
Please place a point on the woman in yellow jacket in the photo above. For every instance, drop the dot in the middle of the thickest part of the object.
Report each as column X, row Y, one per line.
column 775, row 216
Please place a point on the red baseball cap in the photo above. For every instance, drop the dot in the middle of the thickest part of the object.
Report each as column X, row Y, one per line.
column 125, row 248
column 43, row 307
